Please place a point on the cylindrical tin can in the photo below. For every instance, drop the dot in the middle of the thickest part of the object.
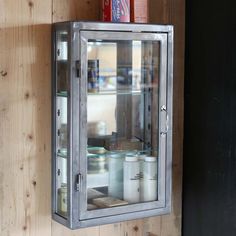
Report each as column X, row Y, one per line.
column 93, row 76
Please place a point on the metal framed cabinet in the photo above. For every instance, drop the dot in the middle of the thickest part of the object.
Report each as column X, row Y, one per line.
column 111, row 122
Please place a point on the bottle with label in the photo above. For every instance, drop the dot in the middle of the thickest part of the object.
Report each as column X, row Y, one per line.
column 149, row 182
column 115, row 166
column 131, row 179
column 141, row 158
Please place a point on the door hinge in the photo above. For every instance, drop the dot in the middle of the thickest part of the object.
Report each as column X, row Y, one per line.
column 78, row 182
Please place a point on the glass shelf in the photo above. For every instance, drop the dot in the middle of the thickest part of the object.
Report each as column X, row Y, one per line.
column 135, row 92
column 62, row 153
column 62, row 94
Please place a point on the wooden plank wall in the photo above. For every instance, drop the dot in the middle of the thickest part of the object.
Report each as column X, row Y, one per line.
column 25, row 113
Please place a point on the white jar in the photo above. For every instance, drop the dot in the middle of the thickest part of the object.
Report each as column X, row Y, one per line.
column 131, row 179
column 141, row 158
column 115, row 167
column 149, row 181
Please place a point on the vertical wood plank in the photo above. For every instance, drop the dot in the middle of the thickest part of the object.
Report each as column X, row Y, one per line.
column 152, row 226
column 171, row 224
column 173, row 12
column 126, row 228
column 64, row 10
column 111, row 229
column 25, row 117
column 60, row 230
column 133, row 228
column 159, row 11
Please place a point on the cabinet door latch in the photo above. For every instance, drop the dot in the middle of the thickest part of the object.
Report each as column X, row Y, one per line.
column 78, row 182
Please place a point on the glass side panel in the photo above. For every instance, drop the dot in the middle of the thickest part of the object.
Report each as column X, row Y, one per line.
column 122, row 122
column 62, row 124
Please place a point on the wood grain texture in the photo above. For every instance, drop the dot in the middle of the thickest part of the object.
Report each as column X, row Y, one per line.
column 60, row 230
column 25, row 117
column 173, row 12
column 64, row 10
column 25, row 111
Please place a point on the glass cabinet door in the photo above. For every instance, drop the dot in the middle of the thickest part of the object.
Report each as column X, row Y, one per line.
column 125, row 87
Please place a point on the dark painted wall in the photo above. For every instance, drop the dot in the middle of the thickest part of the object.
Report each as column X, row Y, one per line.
column 209, row 194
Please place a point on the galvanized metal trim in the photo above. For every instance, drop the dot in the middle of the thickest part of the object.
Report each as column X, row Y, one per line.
column 74, row 127
column 83, row 123
column 122, row 217
column 127, row 27
column 162, row 121
column 170, row 81
column 102, row 35
column 60, row 219
column 85, row 37
column 53, row 122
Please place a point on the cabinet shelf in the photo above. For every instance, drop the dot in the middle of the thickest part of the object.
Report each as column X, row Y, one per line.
column 135, row 92
column 62, row 94
column 62, row 153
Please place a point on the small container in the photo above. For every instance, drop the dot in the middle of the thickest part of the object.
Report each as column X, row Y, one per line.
column 131, row 179
column 97, row 150
column 62, row 199
column 149, row 182
column 62, row 109
column 141, row 157
column 115, row 167
column 139, row 11
column 63, row 138
column 116, row 10
column 98, row 128
column 97, row 163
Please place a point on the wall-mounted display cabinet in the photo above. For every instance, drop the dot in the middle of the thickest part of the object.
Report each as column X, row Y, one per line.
column 111, row 122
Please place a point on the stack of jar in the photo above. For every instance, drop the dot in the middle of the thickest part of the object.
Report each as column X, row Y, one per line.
column 132, row 177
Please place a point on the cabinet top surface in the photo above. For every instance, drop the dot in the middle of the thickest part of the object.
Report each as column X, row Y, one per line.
column 111, row 26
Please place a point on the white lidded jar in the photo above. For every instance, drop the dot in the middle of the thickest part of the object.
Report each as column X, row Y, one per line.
column 149, row 181
column 131, row 179
column 115, row 167
column 141, row 157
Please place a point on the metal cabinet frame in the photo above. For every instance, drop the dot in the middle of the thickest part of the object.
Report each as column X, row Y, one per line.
column 79, row 34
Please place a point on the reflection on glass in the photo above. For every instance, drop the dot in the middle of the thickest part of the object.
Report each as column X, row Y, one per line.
column 61, row 122
column 122, row 116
